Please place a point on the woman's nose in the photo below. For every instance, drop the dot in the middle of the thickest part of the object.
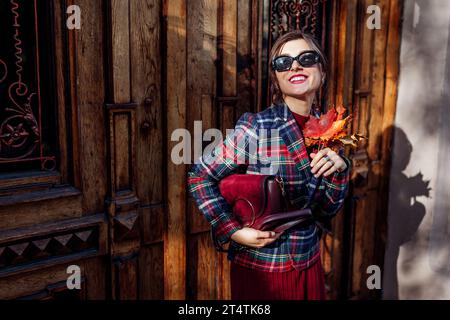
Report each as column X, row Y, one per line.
column 296, row 65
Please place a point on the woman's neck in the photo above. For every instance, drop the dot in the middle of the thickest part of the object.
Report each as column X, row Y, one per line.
column 299, row 106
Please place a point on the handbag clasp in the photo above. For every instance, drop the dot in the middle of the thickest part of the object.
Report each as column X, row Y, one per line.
column 281, row 183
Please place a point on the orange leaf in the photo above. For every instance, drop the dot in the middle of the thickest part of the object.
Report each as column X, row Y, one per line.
column 327, row 126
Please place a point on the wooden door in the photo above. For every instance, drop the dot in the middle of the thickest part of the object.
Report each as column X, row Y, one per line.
column 53, row 179
column 82, row 175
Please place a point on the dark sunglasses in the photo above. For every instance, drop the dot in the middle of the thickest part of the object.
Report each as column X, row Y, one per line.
column 306, row 59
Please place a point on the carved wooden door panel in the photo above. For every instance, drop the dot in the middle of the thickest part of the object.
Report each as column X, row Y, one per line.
column 52, row 153
column 82, row 155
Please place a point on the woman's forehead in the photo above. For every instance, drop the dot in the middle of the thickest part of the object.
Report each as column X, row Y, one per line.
column 294, row 47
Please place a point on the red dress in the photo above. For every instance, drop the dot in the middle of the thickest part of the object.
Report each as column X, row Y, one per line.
column 306, row 284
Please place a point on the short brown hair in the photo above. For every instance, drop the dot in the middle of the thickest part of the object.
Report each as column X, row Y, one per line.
column 277, row 95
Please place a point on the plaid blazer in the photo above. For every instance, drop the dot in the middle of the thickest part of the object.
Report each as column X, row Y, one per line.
column 280, row 150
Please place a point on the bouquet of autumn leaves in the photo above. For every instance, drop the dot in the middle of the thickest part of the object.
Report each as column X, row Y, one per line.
column 330, row 131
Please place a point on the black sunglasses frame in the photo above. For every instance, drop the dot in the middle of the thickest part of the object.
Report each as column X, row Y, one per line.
column 298, row 59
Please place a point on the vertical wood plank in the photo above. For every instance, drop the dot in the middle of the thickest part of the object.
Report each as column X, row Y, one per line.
column 390, row 103
column 364, row 210
column 228, row 33
column 202, row 266
column 123, row 152
column 126, row 279
column 202, row 55
column 175, row 235
column 74, row 119
column 120, row 51
column 258, row 29
column 344, row 77
column 378, row 80
column 391, row 74
column 151, row 272
column 90, row 88
column 246, row 68
column 229, row 45
column 60, row 72
column 347, row 41
column 332, row 54
column 95, row 274
column 152, row 224
column 332, row 246
column 146, row 70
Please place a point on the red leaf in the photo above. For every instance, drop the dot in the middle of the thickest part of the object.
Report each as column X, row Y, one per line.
column 326, row 129
column 316, row 127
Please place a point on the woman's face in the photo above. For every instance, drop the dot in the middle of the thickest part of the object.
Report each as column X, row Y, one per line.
column 298, row 82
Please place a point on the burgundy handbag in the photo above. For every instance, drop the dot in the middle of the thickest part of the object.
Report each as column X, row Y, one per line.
column 259, row 202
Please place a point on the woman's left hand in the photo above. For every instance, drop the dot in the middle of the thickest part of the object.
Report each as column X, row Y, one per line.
column 326, row 162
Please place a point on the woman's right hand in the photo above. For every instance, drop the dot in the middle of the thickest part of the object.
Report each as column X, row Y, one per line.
column 254, row 238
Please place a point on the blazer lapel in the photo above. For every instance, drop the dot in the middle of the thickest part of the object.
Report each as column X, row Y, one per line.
column 295, row 143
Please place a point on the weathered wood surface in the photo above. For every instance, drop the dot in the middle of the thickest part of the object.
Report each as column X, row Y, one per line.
column 135, row 72
column 175, row 16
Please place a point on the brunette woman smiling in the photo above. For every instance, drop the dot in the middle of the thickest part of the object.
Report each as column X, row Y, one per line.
column 265, row 264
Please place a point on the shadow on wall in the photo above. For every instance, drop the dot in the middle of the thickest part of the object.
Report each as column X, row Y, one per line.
column 405, row 211
column 423, row 268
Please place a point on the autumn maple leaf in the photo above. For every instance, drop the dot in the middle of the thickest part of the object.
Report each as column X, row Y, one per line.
column 329, row 129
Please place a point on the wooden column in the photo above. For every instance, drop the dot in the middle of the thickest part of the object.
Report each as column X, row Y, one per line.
column 342, row 50
column 390, row 106
column 228, row 23
column 201, row 273
column 175, row 233
column 119, row 51
column 122, row 203
column 146, row 92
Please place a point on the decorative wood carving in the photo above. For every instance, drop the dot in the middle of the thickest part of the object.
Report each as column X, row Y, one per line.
column 29, row 250
column 26, row 249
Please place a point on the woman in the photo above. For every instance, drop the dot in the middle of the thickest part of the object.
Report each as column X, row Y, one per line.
column 264, row 264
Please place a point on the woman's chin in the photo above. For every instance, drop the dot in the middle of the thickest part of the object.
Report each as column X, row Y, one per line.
column 302, row 95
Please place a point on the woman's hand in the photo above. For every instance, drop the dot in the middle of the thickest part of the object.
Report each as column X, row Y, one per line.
column 254, row 238
column 326, row 162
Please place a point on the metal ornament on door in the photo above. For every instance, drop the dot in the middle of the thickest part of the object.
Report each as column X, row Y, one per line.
column 20, row 94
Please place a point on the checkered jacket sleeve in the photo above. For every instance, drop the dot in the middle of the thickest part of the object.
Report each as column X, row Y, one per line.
column 204, row 176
